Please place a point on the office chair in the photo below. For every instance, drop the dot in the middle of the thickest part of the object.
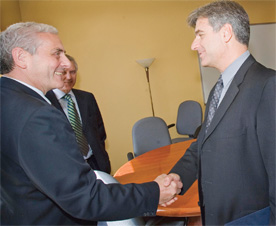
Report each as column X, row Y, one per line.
column 189, row 120
column 108, row 179
column 148, row 134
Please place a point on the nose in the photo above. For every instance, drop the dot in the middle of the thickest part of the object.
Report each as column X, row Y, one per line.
column 65, row 62
column 67, row 75
column 194, row 45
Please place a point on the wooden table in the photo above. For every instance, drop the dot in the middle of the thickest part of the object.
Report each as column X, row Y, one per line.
column 148, row 166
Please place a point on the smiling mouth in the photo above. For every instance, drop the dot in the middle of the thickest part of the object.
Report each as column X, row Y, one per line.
column 60, row 73
column 200, row 55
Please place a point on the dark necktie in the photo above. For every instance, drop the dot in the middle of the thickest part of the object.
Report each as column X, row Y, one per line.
column 214, row 102
column 75, row 122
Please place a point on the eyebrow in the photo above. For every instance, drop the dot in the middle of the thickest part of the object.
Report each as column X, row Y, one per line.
column 198, row 31
column 59, row 50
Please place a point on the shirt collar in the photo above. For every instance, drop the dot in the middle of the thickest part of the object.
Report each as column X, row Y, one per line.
column 59, row 94
column 231, row 70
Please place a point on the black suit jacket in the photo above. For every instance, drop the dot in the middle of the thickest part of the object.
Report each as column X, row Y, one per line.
column 235, row 161
column 44, row 178
column 92, row 123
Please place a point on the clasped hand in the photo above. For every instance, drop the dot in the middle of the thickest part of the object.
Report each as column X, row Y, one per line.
column 170, row 185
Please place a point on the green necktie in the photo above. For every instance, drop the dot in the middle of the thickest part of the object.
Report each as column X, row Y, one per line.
column 75, row 122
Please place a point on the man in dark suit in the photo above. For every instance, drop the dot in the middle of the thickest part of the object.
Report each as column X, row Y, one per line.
column 234, row 155
column 92, row 122
column 44, row 178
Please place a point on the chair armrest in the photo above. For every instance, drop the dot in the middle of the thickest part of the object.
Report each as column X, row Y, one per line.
column 130, row 156
column 171, row 125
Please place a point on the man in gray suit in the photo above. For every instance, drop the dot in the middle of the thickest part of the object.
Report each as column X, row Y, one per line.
column 234, row 155
column 44, row 178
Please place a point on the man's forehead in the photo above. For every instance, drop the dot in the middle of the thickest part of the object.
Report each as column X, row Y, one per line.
column 51, row 40
column 72, row 67
column 202, row 23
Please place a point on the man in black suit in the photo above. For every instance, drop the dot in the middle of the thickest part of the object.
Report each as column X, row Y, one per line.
column 91, row 118
column 234, row 155
column 44, row 178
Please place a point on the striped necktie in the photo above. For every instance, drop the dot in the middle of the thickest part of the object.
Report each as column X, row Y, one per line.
column 214, row 102
column 75, row 122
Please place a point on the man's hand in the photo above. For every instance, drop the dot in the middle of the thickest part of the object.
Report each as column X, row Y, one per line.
column 170, row 185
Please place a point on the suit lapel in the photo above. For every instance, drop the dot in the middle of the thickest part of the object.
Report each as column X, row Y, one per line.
column 82, row 107
column 229, row 96
column 12, row 84
column 52, row 97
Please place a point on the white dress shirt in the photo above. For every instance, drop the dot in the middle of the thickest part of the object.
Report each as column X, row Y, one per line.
column 59, row 94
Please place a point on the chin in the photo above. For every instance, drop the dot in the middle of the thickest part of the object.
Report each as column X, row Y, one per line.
column 65, row 90
column 205, row 64
column 59, row 85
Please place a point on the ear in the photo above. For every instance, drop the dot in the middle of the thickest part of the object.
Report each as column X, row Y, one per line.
column 227, row 32
column 20, row 57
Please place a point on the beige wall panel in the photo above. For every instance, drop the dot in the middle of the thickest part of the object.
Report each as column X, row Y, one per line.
column 10, row 13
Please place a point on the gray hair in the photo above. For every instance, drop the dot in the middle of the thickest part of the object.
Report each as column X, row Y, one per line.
column 21, row 35
column 73, row 61
column 222, row 12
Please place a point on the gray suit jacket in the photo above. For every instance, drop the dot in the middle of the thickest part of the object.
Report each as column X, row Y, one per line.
column 235, row 161
column 44, row 178
column 93, row 126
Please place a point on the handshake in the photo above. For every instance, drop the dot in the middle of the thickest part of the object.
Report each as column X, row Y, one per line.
column 170, row 185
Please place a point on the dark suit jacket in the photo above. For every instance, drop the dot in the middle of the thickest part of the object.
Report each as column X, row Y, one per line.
column 92, row 122
column 235, row 161
column 44, row 178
